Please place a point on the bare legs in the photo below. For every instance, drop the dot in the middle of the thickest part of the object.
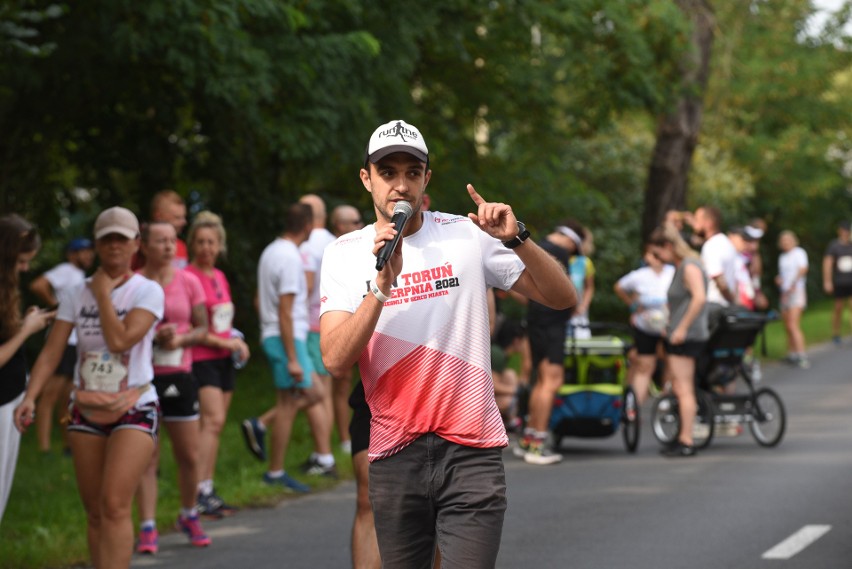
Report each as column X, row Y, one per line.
column 108, row 472
column 550, row 378
column 214, row 410
column 682, row 372
column 365, row 548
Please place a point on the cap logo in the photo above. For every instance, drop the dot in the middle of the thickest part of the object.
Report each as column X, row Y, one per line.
column 399, row 131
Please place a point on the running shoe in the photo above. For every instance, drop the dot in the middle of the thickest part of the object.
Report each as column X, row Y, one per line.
column 313, row 467
column 836, row 340
column 191, row 526
column 803, row 363
column 212, row 506
column 540, row 454
column 148, row 541
column 207, row 508
column 255, row 437
column 289, row 484
column 679, row 450
column 522, row 447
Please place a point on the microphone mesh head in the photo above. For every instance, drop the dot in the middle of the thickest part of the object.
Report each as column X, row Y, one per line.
column 403, row 208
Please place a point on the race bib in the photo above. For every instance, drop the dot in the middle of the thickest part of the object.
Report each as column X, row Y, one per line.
column 167, row 358
column 103, row 371
column 222, row 318
column 844, row 264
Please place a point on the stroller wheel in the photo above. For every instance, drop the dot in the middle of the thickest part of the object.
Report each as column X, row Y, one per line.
column 770, row 420
column 665, row 419
column 705, row 420
column 630, row 420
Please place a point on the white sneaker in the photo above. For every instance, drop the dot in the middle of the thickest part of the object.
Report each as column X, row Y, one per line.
column 541, row 455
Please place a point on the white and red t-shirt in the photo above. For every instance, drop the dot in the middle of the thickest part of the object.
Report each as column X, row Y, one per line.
column 220, row 312
column 129, row 369
column 427, row 367
column 182, row 293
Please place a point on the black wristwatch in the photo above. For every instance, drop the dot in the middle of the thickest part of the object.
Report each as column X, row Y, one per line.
column 523, row 235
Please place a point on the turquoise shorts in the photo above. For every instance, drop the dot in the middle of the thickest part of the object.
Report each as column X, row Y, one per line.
column 316, row 355
column 277, row 357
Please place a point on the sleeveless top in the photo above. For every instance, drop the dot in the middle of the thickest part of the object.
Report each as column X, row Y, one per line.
column 679, row 298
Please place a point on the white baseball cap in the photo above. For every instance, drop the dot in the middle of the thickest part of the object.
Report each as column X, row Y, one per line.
column 117, row 220
column 397, row 136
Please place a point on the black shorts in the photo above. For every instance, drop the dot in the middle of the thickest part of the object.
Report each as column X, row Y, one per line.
column 359, row 425
column 215, row 373
column 687, row 349
column 178, row 394
column 547, row 342
column 68, row 362
column 842, row 291
column 646, row 344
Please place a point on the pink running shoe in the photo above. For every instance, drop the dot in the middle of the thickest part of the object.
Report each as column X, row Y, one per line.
column 191, row 526
column 148, row 541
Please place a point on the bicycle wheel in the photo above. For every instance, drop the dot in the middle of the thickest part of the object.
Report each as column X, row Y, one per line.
column 665, row 419
column 630, row 420
column 705, row 420
column 770, row 419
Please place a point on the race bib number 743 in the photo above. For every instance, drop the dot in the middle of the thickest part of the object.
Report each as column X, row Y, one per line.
column 103, row 371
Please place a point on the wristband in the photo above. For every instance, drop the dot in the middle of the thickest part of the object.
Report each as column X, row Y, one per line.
column 380, row 296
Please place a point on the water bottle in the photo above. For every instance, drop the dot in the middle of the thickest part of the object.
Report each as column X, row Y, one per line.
column 236, row 358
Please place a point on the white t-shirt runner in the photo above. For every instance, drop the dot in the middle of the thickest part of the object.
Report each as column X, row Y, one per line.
column 65, row 276
column 280, row 271
column 652, row 288
column 427, row 367
column 719, row 257
column 112, row 372
column 312, row 251
column 789, row 266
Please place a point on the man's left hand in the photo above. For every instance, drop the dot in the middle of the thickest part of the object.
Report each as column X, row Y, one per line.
column 495, row 219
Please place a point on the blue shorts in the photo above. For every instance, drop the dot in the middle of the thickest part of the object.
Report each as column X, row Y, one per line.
column 274, row 350
column 316, row 355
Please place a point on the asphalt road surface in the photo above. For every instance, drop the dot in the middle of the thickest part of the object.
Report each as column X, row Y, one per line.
column 736, row 505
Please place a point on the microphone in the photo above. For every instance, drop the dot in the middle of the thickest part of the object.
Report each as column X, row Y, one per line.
column 401, row 212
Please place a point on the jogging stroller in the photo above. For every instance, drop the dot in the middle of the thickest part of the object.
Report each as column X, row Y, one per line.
column 721, row 363
column 595, row 400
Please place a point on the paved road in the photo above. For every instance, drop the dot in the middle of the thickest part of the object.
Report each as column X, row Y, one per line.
column 603, row 508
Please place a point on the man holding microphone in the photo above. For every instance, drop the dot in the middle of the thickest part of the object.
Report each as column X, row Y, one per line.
column 418, row 329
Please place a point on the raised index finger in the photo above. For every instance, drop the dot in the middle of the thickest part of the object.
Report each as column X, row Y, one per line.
column 477, row 199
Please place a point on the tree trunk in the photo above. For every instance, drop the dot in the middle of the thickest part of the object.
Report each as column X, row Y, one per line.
column 677, row 131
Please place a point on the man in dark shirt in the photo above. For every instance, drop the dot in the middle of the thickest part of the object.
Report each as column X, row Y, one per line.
column 547, row 344
column 837, row 274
